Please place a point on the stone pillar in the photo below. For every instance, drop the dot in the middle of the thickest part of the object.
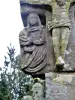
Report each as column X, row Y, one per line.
column 60, row 86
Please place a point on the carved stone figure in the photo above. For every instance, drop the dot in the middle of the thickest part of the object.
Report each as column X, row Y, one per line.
column 34, row 47
column 38, row 91
column 60, row 26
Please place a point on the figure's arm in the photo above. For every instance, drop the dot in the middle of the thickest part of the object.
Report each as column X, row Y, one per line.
column 37, row 1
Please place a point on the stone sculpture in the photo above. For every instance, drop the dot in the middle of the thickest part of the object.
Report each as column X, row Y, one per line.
column 60, row 29
column 34, row 47
column 60, row 26
column 47, row 45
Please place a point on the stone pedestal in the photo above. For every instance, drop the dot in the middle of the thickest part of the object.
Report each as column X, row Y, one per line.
column 60, row 86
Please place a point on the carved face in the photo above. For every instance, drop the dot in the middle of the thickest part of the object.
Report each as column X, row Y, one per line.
column 33, row 19
column 37, row 91
column 34, row 25
column 61, row 2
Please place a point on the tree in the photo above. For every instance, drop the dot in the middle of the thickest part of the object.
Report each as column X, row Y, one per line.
column 19, row 84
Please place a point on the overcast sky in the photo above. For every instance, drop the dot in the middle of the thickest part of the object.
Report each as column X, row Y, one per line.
column 10, row 26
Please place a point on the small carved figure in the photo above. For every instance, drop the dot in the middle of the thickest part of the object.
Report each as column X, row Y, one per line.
column 33, row 45
column 38, row 91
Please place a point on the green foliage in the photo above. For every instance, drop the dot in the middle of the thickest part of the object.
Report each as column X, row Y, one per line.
column 4, row 91
column 14, row 83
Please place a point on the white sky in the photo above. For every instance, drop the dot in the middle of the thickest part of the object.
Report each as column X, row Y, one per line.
column 10, row 26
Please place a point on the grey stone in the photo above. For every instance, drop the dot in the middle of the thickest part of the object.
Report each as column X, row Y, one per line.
column 60, row 87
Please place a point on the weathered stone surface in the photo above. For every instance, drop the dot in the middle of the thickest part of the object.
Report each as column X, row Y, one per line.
column 60, row 86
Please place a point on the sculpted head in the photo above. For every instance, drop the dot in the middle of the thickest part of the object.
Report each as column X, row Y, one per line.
column 37, row 91
column 33, row 20
column 61, row 2
column 34, row 28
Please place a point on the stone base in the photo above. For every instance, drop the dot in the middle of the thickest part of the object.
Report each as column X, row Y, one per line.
column 60, row 86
